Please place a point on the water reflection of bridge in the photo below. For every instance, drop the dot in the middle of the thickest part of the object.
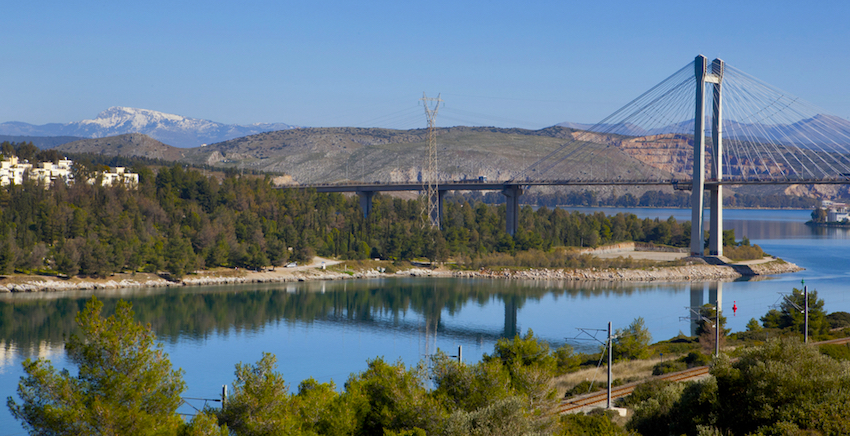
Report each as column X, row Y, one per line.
column 432, row 325
column 715, row 298
column 372, row 304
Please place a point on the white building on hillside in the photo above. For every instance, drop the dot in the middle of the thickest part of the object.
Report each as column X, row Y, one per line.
column 15, row 172
column 49, row 172
column 12, row 171
column 120, row 176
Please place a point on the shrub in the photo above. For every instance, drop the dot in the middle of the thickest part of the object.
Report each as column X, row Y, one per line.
column 643, row 392
column 633, row 342
column 695, row 358
column 576, row 424
column 836, row 351
column 584, row 387
column 838, row 320
column 567, row 360
column 587, row 387
column 784, row 380
column 744, row 252
column 668, row 367
column 679, row 344
column 753, row 325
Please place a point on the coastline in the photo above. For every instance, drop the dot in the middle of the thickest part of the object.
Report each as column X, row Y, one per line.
column 835, row 224
column 696, row 271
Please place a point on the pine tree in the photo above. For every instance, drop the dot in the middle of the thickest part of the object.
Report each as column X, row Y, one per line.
column 124, row 383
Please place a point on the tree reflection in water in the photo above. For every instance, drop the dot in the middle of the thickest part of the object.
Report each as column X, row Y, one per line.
column 178, row 314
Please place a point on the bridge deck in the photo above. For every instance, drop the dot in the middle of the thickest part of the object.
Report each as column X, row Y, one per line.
column 500, row 185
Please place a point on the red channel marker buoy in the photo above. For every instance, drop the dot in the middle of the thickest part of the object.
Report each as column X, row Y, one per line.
column 734, row 308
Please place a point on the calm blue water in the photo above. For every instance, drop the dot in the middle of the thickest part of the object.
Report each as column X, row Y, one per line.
column 328, row 330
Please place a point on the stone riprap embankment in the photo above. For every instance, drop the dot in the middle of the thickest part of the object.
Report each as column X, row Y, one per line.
column 38, row 285
column 697, row 271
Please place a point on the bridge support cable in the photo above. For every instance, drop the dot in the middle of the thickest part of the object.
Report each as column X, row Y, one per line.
column 769, row 136
column 662, row 110
column 773, row 135
column 662, row 105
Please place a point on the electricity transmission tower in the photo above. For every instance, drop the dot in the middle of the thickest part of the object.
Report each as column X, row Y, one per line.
column 431, row 180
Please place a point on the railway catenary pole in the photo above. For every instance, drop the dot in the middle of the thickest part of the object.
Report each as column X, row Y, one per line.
column 806, row 310
column 610, row 346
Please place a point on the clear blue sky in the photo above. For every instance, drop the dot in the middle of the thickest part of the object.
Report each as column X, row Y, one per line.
column 343, row 63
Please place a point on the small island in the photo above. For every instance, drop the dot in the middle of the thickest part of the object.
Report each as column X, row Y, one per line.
column 830, row 214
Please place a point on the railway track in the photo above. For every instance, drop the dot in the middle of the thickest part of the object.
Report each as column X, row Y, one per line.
column 573, row 404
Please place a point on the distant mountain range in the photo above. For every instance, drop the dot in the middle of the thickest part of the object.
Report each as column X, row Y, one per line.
column 170, row 129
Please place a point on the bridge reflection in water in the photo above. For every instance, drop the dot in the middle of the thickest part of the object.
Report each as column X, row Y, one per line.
column 715, row 298
column 412, row 306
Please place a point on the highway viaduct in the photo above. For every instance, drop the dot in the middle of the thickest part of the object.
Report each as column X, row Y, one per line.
column 513, row 189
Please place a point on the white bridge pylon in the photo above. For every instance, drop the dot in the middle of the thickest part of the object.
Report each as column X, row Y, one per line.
column 714, row 76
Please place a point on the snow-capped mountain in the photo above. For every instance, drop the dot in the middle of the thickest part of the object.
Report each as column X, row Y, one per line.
column 171, row 129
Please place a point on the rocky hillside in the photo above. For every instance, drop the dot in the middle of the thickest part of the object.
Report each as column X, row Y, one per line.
column 360, row 154
column 40, row 141
column 130, row 145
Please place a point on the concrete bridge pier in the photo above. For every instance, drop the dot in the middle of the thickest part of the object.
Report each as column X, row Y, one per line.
column 512, row 194
column 715, row 239
column 715, row 228
column 713, row 76
column 697, row 300
column 715, row 294
column 510, row 317
column 366, row 202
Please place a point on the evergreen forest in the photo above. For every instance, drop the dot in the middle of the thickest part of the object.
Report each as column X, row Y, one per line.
column 179, row 220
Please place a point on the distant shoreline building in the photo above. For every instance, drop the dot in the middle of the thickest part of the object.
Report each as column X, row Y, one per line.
column 12, row 171
column 836, row 212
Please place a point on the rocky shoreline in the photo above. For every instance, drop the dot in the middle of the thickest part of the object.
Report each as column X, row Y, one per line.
column 697, row 270
column 670, row 274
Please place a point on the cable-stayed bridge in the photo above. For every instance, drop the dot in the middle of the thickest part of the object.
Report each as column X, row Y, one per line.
column 706, row 126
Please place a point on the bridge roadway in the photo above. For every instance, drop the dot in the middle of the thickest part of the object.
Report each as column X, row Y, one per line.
column 513, row 189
